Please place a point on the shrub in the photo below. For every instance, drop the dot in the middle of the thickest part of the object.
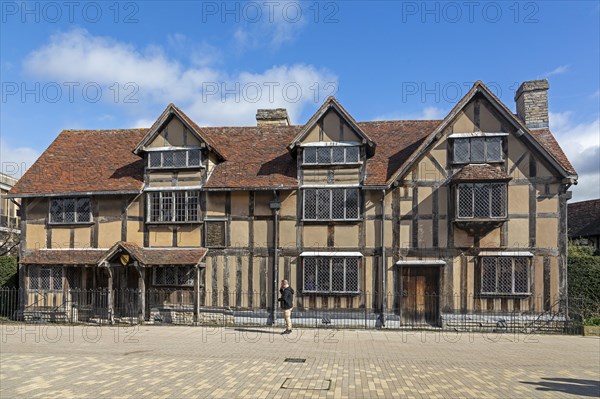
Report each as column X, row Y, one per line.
column 8, row 271
column 584, row 283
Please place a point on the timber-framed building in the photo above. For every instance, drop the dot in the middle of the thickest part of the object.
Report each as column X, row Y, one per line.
column 405, row 218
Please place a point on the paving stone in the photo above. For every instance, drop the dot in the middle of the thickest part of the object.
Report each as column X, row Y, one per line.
column 159, row 361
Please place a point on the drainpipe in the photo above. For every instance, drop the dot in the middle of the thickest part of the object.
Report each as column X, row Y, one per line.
column 383, row 262
column 275, row 205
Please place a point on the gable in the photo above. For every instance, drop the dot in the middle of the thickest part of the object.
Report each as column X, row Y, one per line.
column 331, row 128
column 316, row 125
column 175, row 134
column 480, row 111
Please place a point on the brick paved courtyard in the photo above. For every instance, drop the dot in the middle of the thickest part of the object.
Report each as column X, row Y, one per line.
column 151, row 361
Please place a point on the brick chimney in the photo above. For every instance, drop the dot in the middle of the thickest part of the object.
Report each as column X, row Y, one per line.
column 532, row 103
column 272, row 117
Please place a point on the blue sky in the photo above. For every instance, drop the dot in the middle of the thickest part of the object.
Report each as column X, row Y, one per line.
column 99, row 65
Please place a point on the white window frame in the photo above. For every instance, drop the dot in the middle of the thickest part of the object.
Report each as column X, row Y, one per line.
column 330, row 283
column 160, row 195
column 162, row 152
column 330, row 148
column 76, row 214
column 472, row 216
column 330, row 218
column 485, row 139
column 497, row 274
column 177, row 270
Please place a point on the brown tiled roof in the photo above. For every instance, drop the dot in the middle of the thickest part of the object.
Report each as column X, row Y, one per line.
column 146, row 256
column 62, row 256
column 160, row 256
column 479, row 172
column 396, row 141
column 255, row 157
column 547, row 140
column 584, row 218
column 86, row 161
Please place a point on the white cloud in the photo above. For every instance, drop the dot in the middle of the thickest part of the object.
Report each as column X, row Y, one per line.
column 16, row 160
column 427, row 113
column 209, row 95
column 271, row 24
column 581, row 144
column 558, row 71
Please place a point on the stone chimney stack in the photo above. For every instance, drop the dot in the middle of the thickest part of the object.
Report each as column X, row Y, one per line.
column 272, row 117
column 532, row 103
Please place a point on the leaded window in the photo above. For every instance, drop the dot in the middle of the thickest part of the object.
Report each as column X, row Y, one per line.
column 330, row 275
column 504, row 275
column 481, row 200
column 174, row 276
column 331, row 155
column 331, row 204
column 174, row 159
column 478, row 150
column 45, row 278
column 173, row 206
column 70, row 210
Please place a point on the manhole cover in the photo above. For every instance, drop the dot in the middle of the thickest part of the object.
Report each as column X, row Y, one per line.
column 294, row 360
column 306, row 384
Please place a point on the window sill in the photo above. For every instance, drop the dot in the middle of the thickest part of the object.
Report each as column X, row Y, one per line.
column 329, row 293
column 489, row 295
column 478, row 162
column 172, row 223
column 316, row 221
column 74, row 224
column 169, row 168
column 480, row 220
column 327, row 165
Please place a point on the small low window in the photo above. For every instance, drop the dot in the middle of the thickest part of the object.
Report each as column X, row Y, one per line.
column 478, row 150
column 182, row 276
column 174, row 159
column 331, row 275
column 504, row 275
column 215, row 232
column 70, row 210
column 44, row 278
column 334, row 155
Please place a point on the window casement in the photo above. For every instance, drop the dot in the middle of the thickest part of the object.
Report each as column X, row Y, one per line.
column 331, row 155
column 504, row 275
column 330, row 275
column 45, row 278
column 70, row 210
column 173, row 207
column 478, row 150
column 169, row 159
column 331, row 204
column 215, row 233
column 481, row 200
column 181, row 276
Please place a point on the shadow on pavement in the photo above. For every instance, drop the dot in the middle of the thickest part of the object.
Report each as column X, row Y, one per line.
column 255, row 330
column 572, row 386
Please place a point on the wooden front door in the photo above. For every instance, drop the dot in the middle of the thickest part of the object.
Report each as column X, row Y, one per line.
column 125, row 289
column 420, row 295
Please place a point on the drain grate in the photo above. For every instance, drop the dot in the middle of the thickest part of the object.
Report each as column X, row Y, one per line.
column 306, row 384
column 294, row 360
